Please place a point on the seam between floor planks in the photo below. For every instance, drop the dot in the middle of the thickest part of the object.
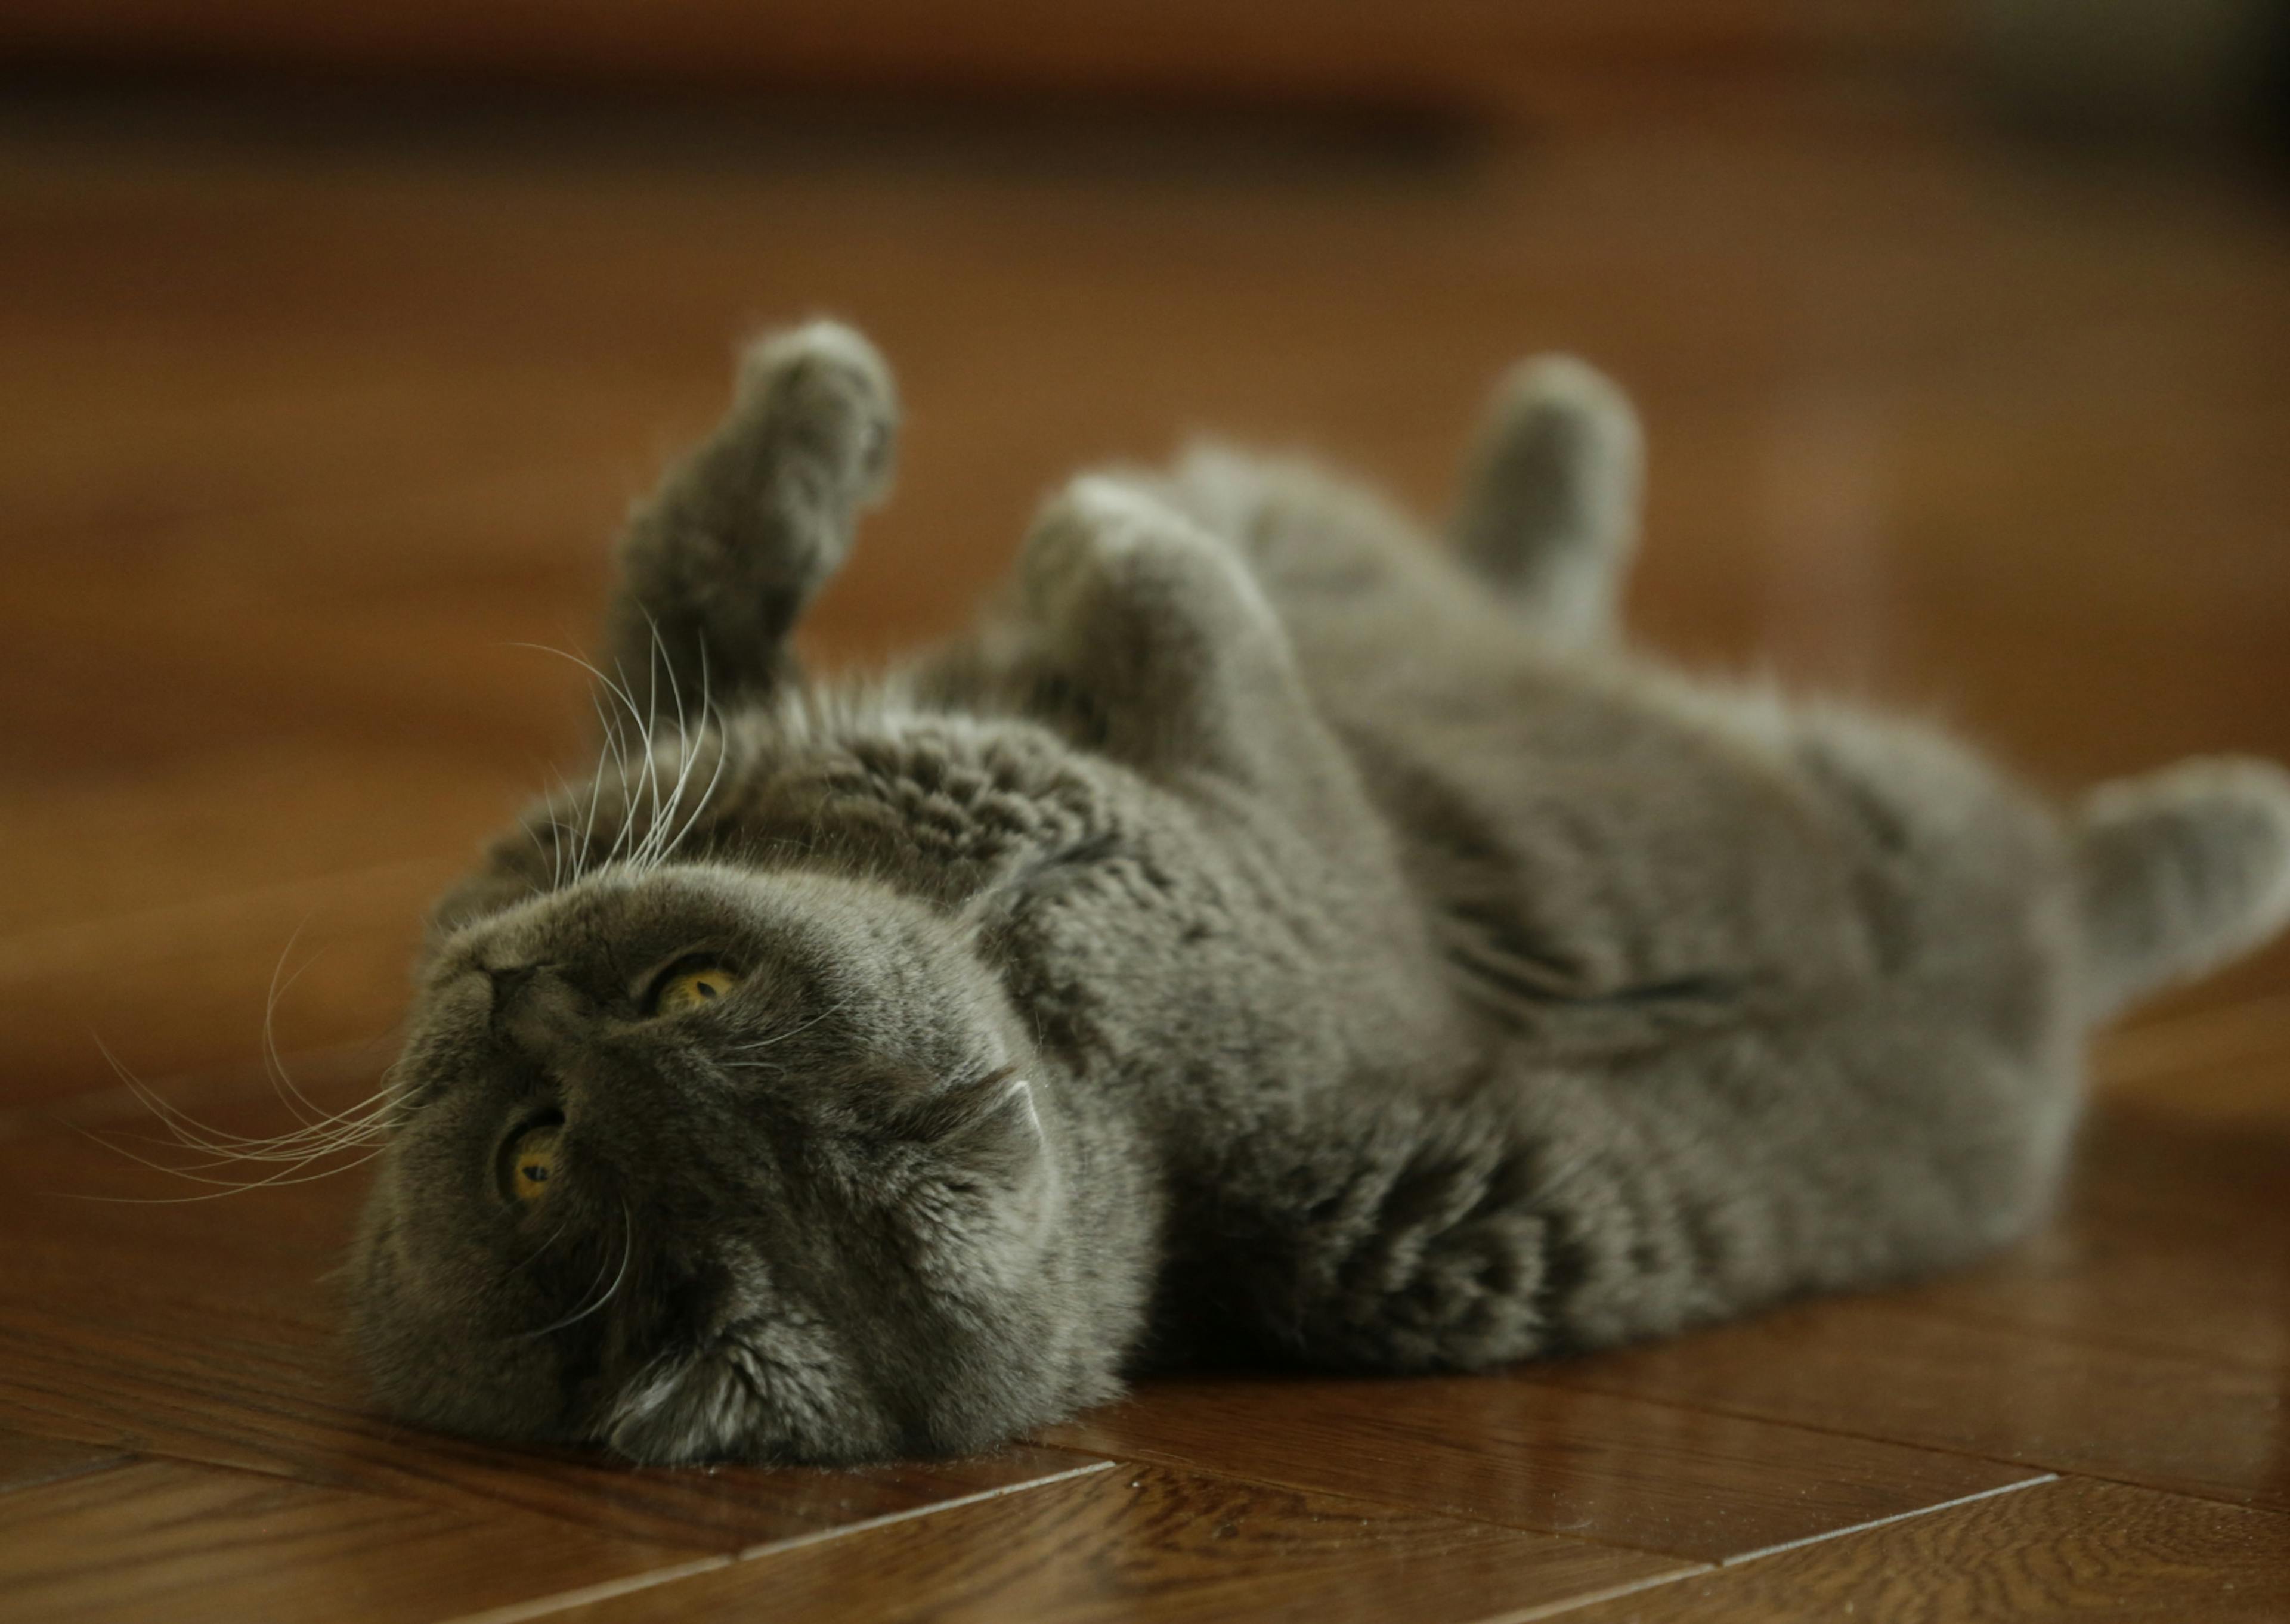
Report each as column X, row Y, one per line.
column 1715, row 1406
column 1882, row 1522
column 2046, row 1473
column 1176, row 1460
column 2182, row 1490
column 1552, row 1609
column 542, row 1606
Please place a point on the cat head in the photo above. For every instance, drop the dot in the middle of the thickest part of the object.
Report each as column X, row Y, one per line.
column 704, row 1162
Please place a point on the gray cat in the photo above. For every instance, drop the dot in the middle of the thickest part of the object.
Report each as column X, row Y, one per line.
column 1264, row 938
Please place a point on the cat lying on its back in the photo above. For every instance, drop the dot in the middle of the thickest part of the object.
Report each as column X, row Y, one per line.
column 1263, row 936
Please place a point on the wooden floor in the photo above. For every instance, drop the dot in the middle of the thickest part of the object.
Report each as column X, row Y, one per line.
column 311, row 419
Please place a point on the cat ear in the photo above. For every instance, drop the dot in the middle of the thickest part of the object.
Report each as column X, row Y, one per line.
column 970, row 1174
column 989, row 1127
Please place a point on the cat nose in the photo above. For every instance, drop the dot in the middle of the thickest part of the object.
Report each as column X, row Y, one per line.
column 538, row 1010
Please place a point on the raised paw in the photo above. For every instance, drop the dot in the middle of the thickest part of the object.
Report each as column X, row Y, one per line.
column 1155, row 633
column 826, row 389
column 720, row 560
column 1549, row 509
column 1105, row 546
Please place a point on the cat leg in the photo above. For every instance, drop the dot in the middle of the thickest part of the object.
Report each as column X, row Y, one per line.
column 1159, row 642
column 1549, row 514
column 1565, row 1207
column 717, row 563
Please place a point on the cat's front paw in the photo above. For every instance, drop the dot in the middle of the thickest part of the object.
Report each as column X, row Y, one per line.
column 824, row 394
column 1465, row 1298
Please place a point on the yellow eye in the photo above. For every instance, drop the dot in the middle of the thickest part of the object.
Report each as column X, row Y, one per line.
column 532, row 1162
column 688, row 990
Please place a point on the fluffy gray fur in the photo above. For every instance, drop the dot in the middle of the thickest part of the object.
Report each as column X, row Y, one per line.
column 1264, row 937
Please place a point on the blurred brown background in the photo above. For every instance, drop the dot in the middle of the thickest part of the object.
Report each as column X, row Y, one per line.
column 336, row 338
column 1484, row 53
column 340, row 335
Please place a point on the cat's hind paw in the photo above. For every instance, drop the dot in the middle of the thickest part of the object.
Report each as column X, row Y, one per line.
column 1105, row 547
column 1549, row 514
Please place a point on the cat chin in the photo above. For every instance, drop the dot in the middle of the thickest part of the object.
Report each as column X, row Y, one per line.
column 737, row 1401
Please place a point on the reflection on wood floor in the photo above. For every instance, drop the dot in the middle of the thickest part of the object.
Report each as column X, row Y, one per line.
column 301, row 440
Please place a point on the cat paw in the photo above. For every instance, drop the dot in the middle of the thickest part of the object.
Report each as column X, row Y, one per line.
column 1549, row 512
column 824, row 392
column 1464, row 1298
column 1104, row 542
column 1561, row 435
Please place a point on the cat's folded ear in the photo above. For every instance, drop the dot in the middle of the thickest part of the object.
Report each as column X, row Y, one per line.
column 981, row 1189
column 988, row 1126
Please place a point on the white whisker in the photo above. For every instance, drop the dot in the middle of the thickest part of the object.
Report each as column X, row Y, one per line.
column 223, row 1187
column 723, row 754
column 794, row 1032
column 555, row 1235
column 318, row 1137
column 648, row 790
column 627, row 1252
column 193, row 1134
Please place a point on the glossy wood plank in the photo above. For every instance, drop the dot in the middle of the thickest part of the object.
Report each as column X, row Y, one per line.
column 270, row 1399
column 2174, row 1238
column 1147, row 1543
column 2068, row 1549
column 2227, row 1064
column 302, row 430
column 1873, row 1367
column 1499, row 1450
column 2151, row 1050
column 334, row 950
column 512, row 379
column 26, row 1459
column 209, row 1331
column 164, row 1539
column 99, row 1235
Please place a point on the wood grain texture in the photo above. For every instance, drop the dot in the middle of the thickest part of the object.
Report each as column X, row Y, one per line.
column 1873, row 1367
column 26, row 1459
column 164, row 1539
column 2143, row 1336
column 1147, row 1543
column 2158, row 1051
column 2070, row 1549
column 2222, row 1064
column 207, row 1331
column 2174, row 1238
column 312, row 417
column 257, row 1397
column 1512, row 1451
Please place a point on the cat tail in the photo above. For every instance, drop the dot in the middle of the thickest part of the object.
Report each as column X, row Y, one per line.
column 2179, row 871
